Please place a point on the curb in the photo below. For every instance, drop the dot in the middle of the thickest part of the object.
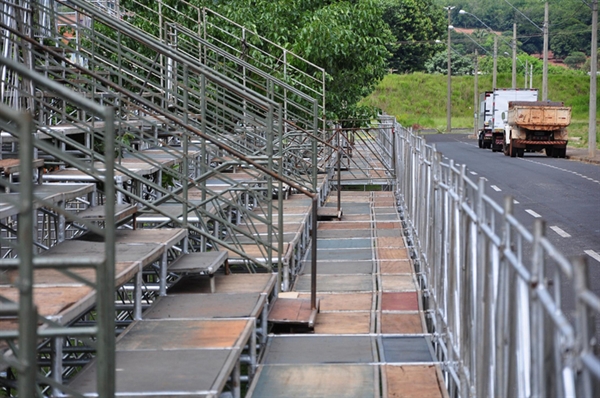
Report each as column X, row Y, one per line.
column 583, row 159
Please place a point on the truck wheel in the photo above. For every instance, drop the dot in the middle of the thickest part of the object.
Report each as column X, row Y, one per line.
column 548, row 151
column 480, row 142
column 561, row 153
column 512, row 151
column 505, row 149
column 520, row 152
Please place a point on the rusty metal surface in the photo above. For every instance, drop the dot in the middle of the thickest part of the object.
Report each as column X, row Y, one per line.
column 315, row 349
column 408, row 349
column 316, row 381
column 191, row 373
column 414, row 381
column 400, row 301
column 234, row 283
column 211, row 305
column 340, row 267
column 336, row 283
column 185, row 334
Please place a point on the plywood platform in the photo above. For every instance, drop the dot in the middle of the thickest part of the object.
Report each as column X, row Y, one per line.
column 370, row 317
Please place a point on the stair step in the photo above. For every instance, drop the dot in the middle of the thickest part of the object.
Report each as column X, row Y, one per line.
column 123, row 212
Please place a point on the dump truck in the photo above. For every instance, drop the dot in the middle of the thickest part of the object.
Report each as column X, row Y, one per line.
column 536, row 126
column 491, row 106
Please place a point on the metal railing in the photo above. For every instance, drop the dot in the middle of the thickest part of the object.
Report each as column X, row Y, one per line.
column 33, row 327
column 492, row 289
column 199, row 130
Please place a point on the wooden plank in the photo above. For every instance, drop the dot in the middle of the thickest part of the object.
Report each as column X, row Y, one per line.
column 296, row 311
column 343, row 301
column 343, row 323
column 397, row 283
column 185, row 334
column 414, row 381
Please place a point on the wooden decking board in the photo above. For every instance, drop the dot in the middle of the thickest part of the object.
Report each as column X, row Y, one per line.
column 234, row 283
column 392, row 323
column 356, row 217
column 399, row 301
column 395, row 267
column 316, row 349
column 397, row 283
column 343, row 301
column 185, row 334
column 144, row 253
column 392, row 254
column 206, row 305
column 318, row 381
column 62, row 303
column 191, row 373
column 344, row 225
column 336, row 283
column 343, row 323
column 406, row 349
column 390, row 242
column 349, row 254
column 388, row 225
column 414, row 381
column 339, row 267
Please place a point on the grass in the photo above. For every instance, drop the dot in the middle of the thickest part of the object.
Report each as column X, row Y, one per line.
column 418, row 100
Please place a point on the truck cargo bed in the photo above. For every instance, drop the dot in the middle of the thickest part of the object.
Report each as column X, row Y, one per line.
column 539, row 115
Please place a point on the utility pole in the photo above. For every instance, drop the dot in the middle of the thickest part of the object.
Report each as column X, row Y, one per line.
column 514, row 56
column 495, row 71
column 545, row 70
column 526, row 72
column 476, row 95
column 449, row 88
column 593, row 79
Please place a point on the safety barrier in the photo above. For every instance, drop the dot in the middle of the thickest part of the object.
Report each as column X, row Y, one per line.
column 492, row 288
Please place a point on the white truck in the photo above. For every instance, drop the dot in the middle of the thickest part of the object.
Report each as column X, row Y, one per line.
column 492, row 104
column 536, row 126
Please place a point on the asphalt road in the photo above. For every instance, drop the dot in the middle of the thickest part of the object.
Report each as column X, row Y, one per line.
column 565, row 193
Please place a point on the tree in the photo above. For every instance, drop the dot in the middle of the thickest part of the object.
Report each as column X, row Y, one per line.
column 460, row 65
column 416, row 25
column 348, row 38
column 575, row 60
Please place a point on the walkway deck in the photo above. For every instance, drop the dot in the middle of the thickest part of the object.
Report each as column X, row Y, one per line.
column 369, row 338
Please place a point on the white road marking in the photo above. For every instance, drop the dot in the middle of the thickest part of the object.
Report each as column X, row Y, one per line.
column 562, row 169
column 472, row 172
column 495, row 188
column 533, row 213
column 560, row 232
column 515, row 201
column 593, row 254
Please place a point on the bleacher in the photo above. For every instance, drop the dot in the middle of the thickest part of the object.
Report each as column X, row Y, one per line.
column 160, row 205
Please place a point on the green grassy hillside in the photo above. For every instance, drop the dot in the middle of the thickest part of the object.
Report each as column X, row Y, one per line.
column 419, row 100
